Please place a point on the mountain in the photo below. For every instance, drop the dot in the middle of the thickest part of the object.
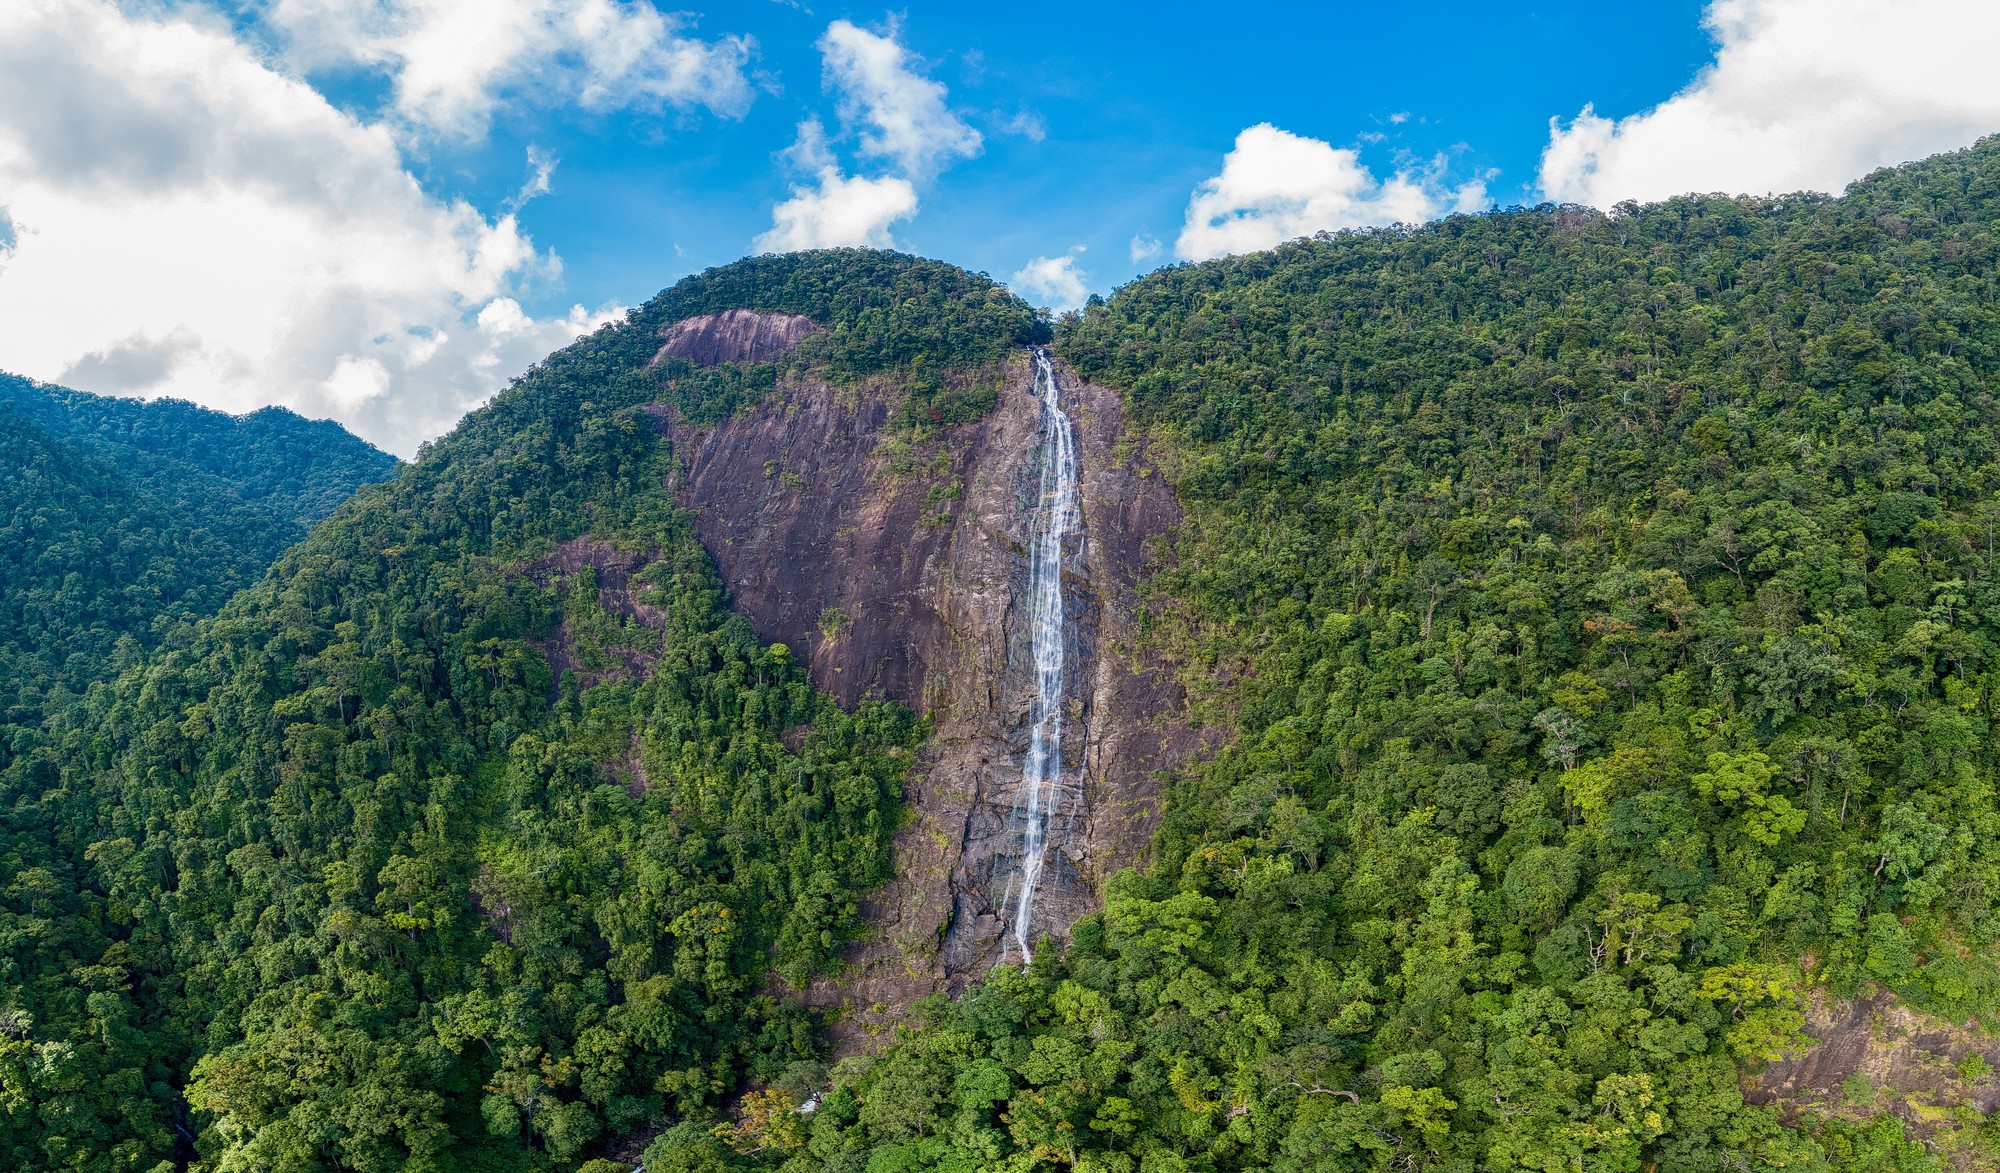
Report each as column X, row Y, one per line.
column 467, row 836
column 120, row 523
column 125, row 515
column 272, row 460
column 1521, row 691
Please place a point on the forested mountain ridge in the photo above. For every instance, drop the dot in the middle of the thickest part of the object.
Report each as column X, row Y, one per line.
column 347, row 877
column 272, row 458
column 118, row 516
column 1605, row 609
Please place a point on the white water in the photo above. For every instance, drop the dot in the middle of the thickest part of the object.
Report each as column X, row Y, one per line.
column 1056, row 517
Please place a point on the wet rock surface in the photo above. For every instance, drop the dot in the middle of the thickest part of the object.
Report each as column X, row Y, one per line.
column 734, row 336
column 901, row 573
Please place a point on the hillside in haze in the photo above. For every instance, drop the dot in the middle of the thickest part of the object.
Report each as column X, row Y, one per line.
column 271, row 460
column 120, row 516
column 1528, row 683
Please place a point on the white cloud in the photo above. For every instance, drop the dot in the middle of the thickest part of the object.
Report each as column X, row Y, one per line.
column 454, row 61
column 1803, row 94
column 1145, row 246
column 901, row 113
column 1277, row 186
column 133, row 363
column 1026, row 123
column 188, row 222
column 809, row 152
column 903, row 122
column 839, row 211
column 1056, row 281
column 539, row 184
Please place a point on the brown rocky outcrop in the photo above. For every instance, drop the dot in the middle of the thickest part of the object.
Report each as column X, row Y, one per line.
column 1874, row 1055
column 899, row 572
column 734, row 336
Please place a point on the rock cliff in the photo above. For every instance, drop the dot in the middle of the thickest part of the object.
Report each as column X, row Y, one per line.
column 898, row 571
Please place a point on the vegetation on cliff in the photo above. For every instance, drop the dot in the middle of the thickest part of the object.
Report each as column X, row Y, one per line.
column 886, row 314
column 1606, row 611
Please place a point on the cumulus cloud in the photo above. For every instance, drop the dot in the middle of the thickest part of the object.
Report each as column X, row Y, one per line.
column 839, row 211
column 1056, row 281
column 809, row 152
column 1277, row 186
column 454, row 61
column 130, row 364
column 188, row 222
column 1145, row 246
column 901, row 121
column 900, row 113
column 1803, row 94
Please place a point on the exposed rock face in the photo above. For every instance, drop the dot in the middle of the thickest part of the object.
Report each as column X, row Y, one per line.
column 911, row 586
column 734, row 336
column 613, row 569
column 1876, row 1055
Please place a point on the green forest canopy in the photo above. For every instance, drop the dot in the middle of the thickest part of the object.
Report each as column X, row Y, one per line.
column 120, row 518
column 207, row 461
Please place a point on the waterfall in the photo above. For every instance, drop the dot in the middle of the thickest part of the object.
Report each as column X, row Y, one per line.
column 1056, row 517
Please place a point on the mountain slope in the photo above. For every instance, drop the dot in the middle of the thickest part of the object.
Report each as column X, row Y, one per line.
column 1605, row 611
column 478, row 832
column 111, row 540
column 894, row 560
column 1599, row 610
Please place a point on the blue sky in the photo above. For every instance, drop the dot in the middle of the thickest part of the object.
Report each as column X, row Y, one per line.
column 1135, row 111
column 380, row 210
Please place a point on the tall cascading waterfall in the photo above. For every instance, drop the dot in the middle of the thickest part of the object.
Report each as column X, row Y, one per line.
column 1056, row 518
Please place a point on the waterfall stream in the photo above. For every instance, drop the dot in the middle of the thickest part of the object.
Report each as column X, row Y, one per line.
column 1056, row 518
